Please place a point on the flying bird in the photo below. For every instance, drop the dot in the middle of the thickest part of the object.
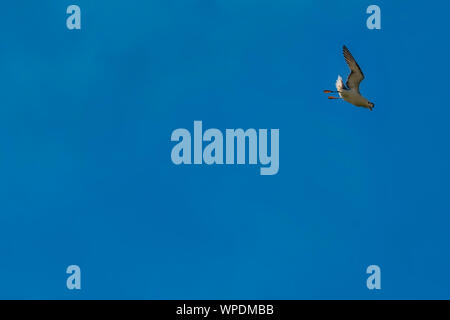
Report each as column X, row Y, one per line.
column 350, row 90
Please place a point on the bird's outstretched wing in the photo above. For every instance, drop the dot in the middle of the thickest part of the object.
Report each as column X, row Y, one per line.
column 356, row 76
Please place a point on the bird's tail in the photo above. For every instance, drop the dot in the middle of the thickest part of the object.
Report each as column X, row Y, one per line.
column 339, row 84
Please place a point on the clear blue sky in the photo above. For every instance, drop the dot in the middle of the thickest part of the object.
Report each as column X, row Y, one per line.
column 85, row 170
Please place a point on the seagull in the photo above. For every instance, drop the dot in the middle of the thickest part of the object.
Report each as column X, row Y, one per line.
column 350, row 90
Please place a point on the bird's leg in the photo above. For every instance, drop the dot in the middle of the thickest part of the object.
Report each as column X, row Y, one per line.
column 330, row 91
column 330, row 97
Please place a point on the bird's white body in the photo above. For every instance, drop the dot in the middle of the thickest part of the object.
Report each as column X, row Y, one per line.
column 351, row 95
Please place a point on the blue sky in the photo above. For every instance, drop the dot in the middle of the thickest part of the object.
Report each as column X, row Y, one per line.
column 86, row 176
